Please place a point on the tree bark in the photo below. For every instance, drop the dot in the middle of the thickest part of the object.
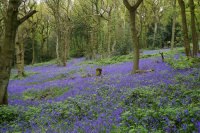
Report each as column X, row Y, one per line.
column 8, row 47
column 185, row 28
column 20, row 57
column 155, row 33
column 109, row 39
column 33, row 48
column 193, row 28
column 173, row 25
column 7, row 50
column 135, row 42
column 132, row 12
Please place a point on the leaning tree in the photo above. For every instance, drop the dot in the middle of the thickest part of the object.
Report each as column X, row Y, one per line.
column 7, row 48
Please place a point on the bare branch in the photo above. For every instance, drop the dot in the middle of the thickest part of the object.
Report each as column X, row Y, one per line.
column 27, row 16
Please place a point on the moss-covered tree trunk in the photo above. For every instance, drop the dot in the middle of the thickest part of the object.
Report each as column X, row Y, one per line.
column 185, row 28
column 132, row 11
column 193, row 28
column 8, row 47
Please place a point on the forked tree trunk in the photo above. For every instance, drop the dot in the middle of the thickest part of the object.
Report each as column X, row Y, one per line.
column 193, row 28
column 185, row 28
column 8, row 46
column 132, row 11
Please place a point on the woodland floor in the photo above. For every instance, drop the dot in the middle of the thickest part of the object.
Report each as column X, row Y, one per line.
column 72, row 99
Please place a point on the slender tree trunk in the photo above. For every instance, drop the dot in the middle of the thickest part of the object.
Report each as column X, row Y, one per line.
column 33, row 49
column 109, row 39
column 145, row 36
column 113, row 46
column 155, row 33
column 185, row 28
column 173, row 25
column 193, row 28
column 57, row 50
column 59, row 42
column 64, row 50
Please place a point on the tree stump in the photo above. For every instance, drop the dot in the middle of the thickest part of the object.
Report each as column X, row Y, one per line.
column 162, row 56
column 98, row 71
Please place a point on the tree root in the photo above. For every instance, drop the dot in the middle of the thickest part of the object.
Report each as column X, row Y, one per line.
column 144, row 71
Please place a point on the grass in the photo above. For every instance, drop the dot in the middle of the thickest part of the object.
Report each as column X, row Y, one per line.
column 183, row 62
column 165, row 108
column 27, row 74
column 129, row 57
column 49, row 93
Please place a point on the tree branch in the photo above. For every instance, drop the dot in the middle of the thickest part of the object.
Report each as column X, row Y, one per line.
column 27, row 16
column 127, row 4
column 137, row 4
column 134, row 7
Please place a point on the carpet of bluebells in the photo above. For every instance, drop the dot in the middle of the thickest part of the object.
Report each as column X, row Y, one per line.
column 73, row 99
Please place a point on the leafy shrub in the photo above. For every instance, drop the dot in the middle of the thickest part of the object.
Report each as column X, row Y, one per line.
column 183, row 62
column 8, row 114
column 166, row 108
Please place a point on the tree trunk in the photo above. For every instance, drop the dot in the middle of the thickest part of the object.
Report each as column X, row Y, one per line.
column 132, row 11
column 57, row 50
column 155, row 32
column 193, row 28
column 33, row 48
column 7, row 50
column 185, row 28
column 173, row 25
column 8, row 46
column 135, row 42
column 20, row 57
column 109, row 39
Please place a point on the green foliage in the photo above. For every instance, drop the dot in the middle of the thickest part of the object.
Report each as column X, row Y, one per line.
column 183, row 62
column 8, row 113
column 44, row 94
column 12, row 114
column 27, row 74
column 165, row 108
column 118, row 59
column 45, row 63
